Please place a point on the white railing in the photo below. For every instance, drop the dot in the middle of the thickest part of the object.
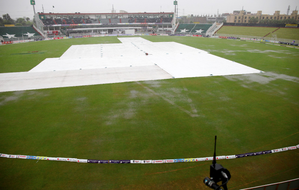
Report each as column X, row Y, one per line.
column 174, row 28
column 192, row 29
column 211, row 31
column 39, row 31
column 218, row 27
column 287, row 185
column 39, row 25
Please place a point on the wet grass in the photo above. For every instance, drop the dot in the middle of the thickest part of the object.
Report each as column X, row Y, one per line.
column 25, row 56
column 288, row 33
column 285, row 33
column 247, row 31
column 129, row 121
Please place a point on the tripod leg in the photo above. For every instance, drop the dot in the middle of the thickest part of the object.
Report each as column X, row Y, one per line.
column 224, row 187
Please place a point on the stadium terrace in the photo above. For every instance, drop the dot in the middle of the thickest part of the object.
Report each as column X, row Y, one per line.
column 105, row 23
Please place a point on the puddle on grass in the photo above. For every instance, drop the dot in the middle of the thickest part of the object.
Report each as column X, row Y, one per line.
column 233, row 52
column 140, row 99
column 264, row 78
column 234, row 45
column 29, row 52
column 269, row 51
column 15, row 96
column 262, row 83
column 124, row 110
column 277, row 57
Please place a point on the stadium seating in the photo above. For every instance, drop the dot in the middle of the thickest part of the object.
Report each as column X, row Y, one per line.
column 193, row 28
column 204, row 27
column 57, row 21
column 48, row 21
column 19, row 32
column 167, row 19
column 88, row 21
column 139, row 20
column 78, row 20
column 104, row 21
column 125, row 20
column 68, row 21
column 115, row 20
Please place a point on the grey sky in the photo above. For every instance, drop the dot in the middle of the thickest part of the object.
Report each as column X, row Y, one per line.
column 20, row 8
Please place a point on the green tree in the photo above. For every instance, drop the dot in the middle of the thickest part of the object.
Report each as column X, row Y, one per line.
column 291, row 21
column 20, row 22
column 1, row 21
column 7, row 19
column 253, row 20
column 28, row 23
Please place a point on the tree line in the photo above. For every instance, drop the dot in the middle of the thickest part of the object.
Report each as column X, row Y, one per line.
column 7, row 20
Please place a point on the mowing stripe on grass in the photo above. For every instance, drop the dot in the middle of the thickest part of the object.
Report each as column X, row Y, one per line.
column 194, row 114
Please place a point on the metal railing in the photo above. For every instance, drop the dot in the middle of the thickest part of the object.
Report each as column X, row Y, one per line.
column 292, row 184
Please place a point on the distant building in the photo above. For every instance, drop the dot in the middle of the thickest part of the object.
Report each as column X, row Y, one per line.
column 215, row 19
column 244, row 16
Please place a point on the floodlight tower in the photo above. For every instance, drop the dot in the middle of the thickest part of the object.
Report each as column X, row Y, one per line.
column 32, row 2
column 174, row 20
column 288, row 11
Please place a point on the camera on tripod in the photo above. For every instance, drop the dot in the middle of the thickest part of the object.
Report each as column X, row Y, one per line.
column 217, row 173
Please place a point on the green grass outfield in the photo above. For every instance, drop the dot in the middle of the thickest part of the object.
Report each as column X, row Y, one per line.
column 290, row 33
column 128, row 121
column 285, row 33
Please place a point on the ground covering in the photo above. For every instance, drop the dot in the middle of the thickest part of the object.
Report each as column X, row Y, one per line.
column 146, row 120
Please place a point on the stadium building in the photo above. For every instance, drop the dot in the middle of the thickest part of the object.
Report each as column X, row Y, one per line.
column 244, row 16
column 123, row 23
column 104, row 23
column 61, row 25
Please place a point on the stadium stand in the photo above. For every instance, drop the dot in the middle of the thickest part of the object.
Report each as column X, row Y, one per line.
column 110, row 23
column 77, row 21
column 125, row 20
column 193, row 28
column 48, row 21
column 58, row 21
column 213, row 29
column 19, row 32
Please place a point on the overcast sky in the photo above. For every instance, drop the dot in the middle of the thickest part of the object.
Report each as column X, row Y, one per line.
column 21, row 8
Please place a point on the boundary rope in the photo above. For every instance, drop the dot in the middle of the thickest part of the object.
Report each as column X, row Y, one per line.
column 161, row 161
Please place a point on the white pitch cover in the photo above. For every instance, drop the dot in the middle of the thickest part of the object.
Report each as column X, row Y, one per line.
column 123, row 62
